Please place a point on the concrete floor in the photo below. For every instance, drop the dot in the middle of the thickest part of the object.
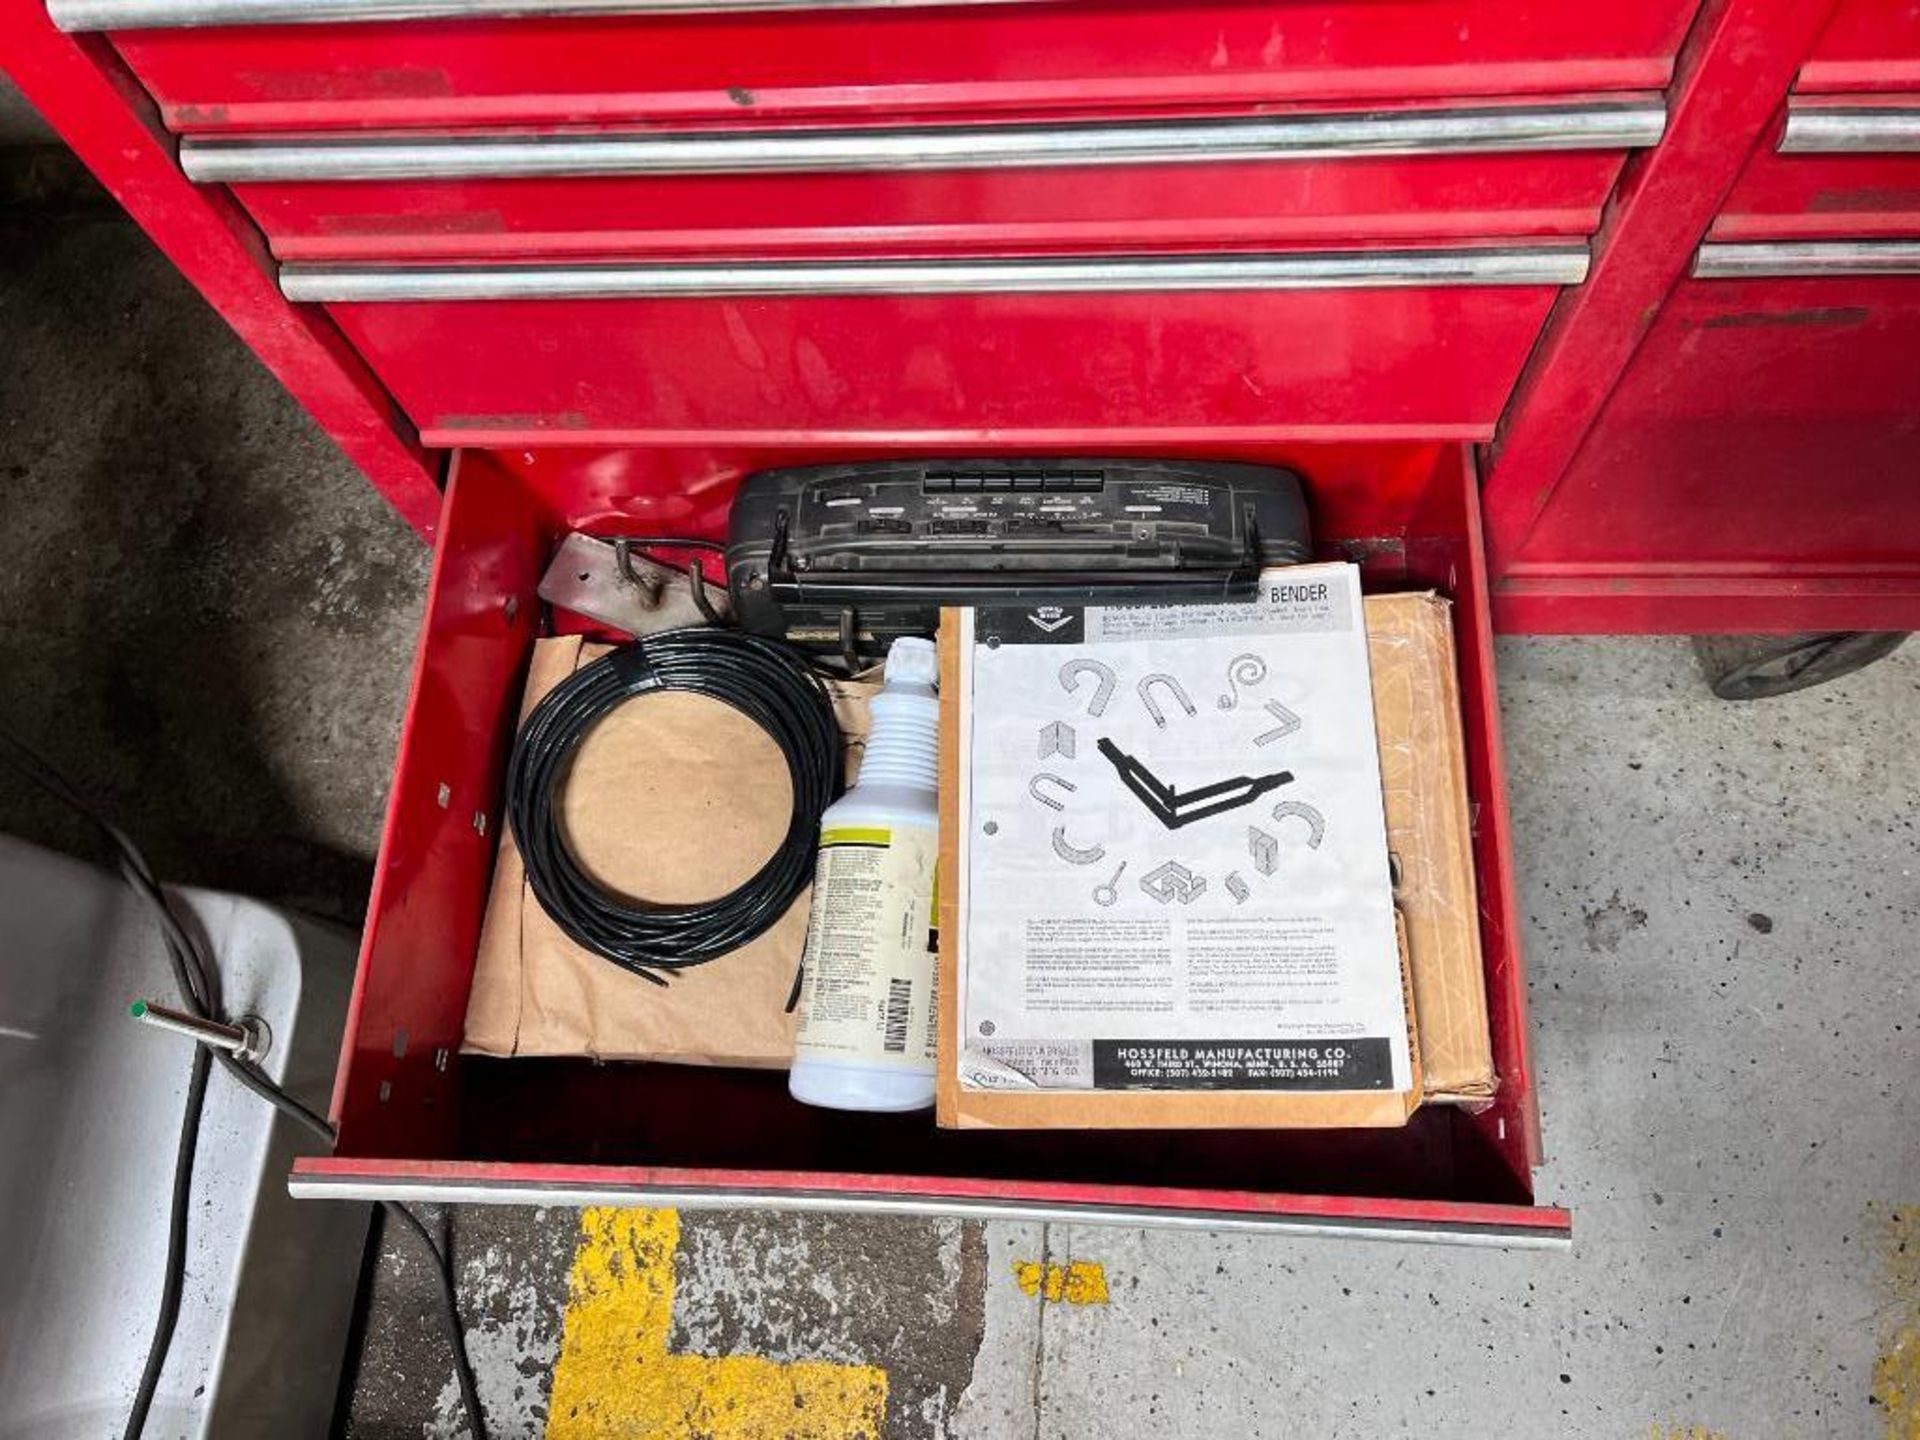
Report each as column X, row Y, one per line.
column 208, row 618
column 20, row 123
column 210, row 624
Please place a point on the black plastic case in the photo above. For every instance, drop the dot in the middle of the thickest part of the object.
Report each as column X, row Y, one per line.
column 844, row 558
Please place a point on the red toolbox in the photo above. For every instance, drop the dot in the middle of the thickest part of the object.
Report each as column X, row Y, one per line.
column 546, row 264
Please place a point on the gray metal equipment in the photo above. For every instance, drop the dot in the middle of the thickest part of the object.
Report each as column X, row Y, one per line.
column 90, row 1111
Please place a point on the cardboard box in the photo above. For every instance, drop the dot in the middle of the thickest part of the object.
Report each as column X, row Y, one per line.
column 1423, row 772
column 678, row 798
column 1422, row 751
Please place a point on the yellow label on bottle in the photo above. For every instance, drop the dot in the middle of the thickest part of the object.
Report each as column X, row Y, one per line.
column 856, row 835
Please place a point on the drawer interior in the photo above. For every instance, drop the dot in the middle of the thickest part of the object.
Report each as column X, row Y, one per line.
column 1406, row 512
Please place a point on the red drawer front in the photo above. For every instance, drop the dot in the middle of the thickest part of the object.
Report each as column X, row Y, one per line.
column 1840, row 169
column 1811, row 197
column 417, row 1118
column 899, row 62
column 1118, row 208
column 1868, row 45
column 1427, row 362
column 1764, row 425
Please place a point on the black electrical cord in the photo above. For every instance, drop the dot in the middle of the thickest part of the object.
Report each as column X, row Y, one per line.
column 449, row 1315
column 174, row 1285
column 195, row 979
column 766, row 680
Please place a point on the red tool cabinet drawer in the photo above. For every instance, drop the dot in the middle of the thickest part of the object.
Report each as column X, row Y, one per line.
column 1762, row 444
column 1358, row 343
column 1868, row 45
column 1839, row 169
column 550, row 67
column 417, row 1118
column 1191, row 183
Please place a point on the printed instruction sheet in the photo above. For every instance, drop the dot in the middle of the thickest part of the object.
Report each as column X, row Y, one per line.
column 1173, row 858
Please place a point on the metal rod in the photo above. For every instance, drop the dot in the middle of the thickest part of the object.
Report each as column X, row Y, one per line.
column 1850, row 130
column 1358, row 269
column 1810, row 259
column 1599, row 126
column 81, row 15
column 246, row 1039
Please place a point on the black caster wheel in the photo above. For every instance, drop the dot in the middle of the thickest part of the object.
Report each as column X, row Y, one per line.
column 1758, row 667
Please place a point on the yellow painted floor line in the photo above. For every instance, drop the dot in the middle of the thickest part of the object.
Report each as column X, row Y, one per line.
column 614, row 1376
column 1080, row 1282
column 1896, row 1375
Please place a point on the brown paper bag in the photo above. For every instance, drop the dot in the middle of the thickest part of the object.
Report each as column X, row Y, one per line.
column 678, row 798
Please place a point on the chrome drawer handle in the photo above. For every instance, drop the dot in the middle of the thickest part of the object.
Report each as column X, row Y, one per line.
column 75, row 16
column 968, row 147
column 462, row 1183
column 1806, row 258
column 1849, row 130
column 1363, row 269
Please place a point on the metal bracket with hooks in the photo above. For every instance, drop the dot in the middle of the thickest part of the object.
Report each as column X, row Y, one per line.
column 614, row 582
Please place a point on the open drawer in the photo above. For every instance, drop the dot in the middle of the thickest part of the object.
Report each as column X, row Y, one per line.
column 418, row 1119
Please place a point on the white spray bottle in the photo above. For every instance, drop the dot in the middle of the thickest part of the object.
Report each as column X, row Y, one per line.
column 868, row 1017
